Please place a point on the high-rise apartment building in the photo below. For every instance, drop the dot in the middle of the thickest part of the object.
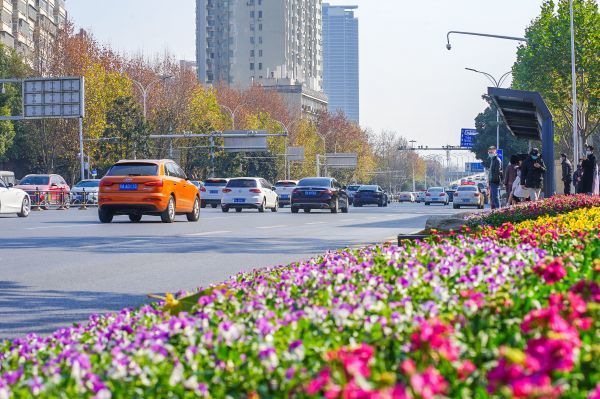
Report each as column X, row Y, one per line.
column 340, row 59
column 273, row 43
column 29, row 25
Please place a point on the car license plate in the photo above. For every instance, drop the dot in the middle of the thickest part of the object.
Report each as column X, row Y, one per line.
column 285, row 196
column 128, row 187
column 239, row 200
column 214, row 191
column 310, row 193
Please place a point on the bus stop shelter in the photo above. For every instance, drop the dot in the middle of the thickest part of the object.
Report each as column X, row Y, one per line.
column 527, row 116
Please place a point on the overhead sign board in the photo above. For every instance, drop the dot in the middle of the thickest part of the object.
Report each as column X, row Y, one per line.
column 467, row 137
column 342, row 160
column 53, row 98
column 474, row 167
column 295, row 154
column 245, row 141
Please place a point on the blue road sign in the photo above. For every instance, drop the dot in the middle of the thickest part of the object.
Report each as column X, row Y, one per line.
column 467, row 137
column 474, row 167
column 500, row 153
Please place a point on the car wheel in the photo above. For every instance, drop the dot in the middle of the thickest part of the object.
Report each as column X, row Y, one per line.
column 380, row 204
column 238, row 210
column 135, row 217
column 346, row 208
column 295, row 210
column 203, row 204
column 262, row 206
column 25, row 208
column 427, row 203
column 168, row 215
column 194, row 216
column 456, row 206
column 224, row 208
column 306, row 210
column 276, row 207
column 336, row 206
column 105, row 216
column 214, row 206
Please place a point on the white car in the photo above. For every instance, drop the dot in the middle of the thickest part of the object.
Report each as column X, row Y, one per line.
column 468, row 196
column 89, row 187
column 406, row 197
column 420, row 197
column 249, row 193
column 212, row 192
column 436, row 195
column 284, row 190
column 14, row 200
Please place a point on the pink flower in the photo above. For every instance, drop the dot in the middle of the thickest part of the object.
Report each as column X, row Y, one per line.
column 547, row 355
column 429, row 384
column 465, row 369
column 435, row 335
column 552, row 272
column 595, row 394
column 318, row 384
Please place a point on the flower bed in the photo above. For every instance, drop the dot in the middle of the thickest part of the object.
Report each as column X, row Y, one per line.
column 532, row 210
column 489, row 313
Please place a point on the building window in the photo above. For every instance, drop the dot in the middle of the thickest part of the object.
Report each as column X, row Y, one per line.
column 260, row 66
column 260, row 27
column 252, row 66
column 260, row 39
column 251, row 14
column 260, row 53
column 251, row 53
column 251, row 39
column 260, row 14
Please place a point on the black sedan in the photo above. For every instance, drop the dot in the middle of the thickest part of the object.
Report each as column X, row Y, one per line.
column 319, row 193
column 371, row 195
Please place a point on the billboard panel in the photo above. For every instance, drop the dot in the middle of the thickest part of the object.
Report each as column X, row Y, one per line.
column 61, row 97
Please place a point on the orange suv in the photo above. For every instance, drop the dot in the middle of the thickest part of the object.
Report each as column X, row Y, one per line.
column 147, row 187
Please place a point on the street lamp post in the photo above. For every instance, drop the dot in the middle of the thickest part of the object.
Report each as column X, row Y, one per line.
column 412, row 143
column 449, row 46
column 145, row 90
column 496, row 83
column 574, row 84
column 232, row 112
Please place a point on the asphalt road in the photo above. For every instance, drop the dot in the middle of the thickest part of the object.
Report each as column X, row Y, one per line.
column 58, row 267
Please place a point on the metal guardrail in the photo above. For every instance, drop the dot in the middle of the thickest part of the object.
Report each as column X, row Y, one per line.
column 60, row 199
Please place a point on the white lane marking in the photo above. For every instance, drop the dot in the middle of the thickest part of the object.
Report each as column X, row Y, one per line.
column 55, row 227
column 112, row 244
column 272, row 227
column 208, row 233
column 314, row 223
column 349, row 220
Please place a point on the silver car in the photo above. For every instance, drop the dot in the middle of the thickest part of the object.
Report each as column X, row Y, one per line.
column 85, row 191
column 468, row 195
column 436, row 195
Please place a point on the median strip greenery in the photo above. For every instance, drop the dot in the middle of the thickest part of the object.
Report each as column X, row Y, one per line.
column 508, row 311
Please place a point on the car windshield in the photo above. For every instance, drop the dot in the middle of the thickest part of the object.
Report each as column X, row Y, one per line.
column 315, row 183
column 353, row 188
column 133, row 169
column 241, row 183
column 35, row 180
column 368, row 188
column 435, row 190
column 285, row 184
column 216, row 183
column 88, row 184
column 467, row 188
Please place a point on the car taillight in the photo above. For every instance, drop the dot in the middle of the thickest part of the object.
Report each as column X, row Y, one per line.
column 226, row 190
column 456, row 194
column 154, row 183
column 106, row 183
column 296, row 191
column 442, row 194
column 477, row 194
column 328, row 192
column 428, row 195
column 255, row 190
column 203, row 189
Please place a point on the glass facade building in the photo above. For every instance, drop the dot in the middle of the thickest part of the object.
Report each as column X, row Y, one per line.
column 340, row 59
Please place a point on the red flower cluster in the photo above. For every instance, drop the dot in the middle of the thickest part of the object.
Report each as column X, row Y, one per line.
column 433, row 337
column 553, row 347
column 552, row 270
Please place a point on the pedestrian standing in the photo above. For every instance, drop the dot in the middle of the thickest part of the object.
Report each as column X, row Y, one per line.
column 577, row 176
column 567, row 173
column 532, row 174
column 590, row 172
column 518, row 193
column 511, row 173
column 495, row 177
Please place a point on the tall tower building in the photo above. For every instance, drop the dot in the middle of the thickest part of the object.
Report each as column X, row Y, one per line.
column 340, row 59
column 273, row 43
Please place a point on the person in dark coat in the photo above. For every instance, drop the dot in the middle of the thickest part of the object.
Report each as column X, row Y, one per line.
column 577, row 176
column 511, row 173
column 495, row 177
column 532, row 174
column 567, row 172
column 589, row 171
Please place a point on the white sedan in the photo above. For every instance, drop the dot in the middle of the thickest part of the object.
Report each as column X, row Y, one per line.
column 249, row 193
column 14, row 200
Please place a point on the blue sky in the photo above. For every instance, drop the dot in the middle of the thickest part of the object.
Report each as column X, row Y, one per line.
column 410, row 83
